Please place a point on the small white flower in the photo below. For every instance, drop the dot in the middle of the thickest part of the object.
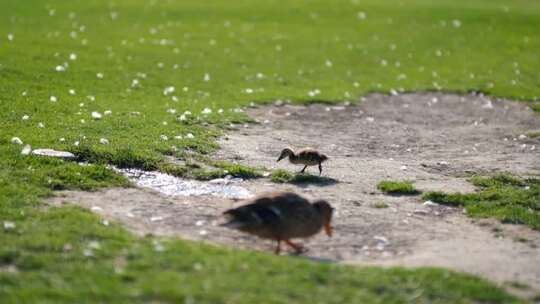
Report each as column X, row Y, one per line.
column 83, row 121
column 60, row 68
column 135, row 83
column 72, row 56
column 96, row 115
column 16, row 140
column 168, row 90
column 103, row 141
column 182, row 117
column 187, row 113
column 456, row 23
column 174, row 98
column 248, row 91
column 328, row 63
column 361, row 15
column 61, row 139
column 164, row 123
column 41, row 125
column 76, row 144
column 71, row 92
column 53, row 99
column 164, row 137
column 189, row 135
column 171, row 111
column 91, row 97
column 10, row 37
column 99, row 75
column 178, row 137
column 25, row 117
column 206, row 111
column 24, row 93
column 206, row 77
column 220, row 111
column 108, row 112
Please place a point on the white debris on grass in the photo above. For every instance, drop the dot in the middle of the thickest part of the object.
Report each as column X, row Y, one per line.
column 53, row 153
column 16, row 140
column 96, row 115
column 26, row 150
column 9, row 225
column 168, row 90
column 103, row 141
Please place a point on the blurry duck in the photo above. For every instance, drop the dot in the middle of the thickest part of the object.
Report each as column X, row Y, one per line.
column 305, row 156
column 281, row 216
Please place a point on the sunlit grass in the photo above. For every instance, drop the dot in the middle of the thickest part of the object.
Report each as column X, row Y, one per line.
column 128, row 82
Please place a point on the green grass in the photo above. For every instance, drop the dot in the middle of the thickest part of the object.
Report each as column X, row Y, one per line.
column 397, row 187
column 533, row 134
column 252, row 52
column 507, row 198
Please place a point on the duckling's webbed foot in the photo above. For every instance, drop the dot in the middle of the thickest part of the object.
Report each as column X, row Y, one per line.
column 298, row 248
column 302, row 171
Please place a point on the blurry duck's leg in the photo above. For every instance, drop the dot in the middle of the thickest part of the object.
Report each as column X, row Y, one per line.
column 297, row 247
column 320, row 169
column 303, row 169
column 278, row 247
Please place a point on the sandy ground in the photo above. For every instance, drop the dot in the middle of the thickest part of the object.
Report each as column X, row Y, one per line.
column 435, row 140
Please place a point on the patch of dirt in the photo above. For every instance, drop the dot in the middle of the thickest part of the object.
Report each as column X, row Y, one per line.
column 435, row 140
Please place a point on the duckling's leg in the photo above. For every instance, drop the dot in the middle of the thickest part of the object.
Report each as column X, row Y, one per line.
column 297, row 247
column 278, row 247
column 320, row 169
column 303, row 169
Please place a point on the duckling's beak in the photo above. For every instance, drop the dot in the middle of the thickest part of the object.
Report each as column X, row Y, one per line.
column 328, row 229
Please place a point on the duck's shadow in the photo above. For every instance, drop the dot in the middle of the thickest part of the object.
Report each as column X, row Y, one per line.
column 307, row 179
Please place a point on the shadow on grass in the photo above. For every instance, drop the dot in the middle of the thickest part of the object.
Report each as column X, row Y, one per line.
column 300, row 179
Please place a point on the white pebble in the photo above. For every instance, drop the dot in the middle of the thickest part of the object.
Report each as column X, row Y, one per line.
column 96, row 209
column 156, row 218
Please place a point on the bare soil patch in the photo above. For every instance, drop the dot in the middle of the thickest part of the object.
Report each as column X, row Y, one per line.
column 435, row 140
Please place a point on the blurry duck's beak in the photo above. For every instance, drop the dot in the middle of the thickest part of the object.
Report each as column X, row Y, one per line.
column 280, row 158
column 328, row 229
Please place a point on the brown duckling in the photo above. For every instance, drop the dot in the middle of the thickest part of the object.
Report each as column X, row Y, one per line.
column 305, row 156
column 281, row 216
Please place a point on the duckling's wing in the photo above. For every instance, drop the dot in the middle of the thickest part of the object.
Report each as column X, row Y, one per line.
column 309, row 155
